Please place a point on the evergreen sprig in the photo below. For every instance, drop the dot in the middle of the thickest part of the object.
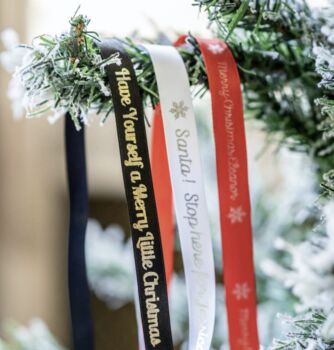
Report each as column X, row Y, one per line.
column 307, row 331
column 279, row 16
column 66, row 72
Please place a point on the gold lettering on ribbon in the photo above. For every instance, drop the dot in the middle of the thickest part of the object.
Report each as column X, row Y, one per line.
column 145, row 243
column 123, row 76
column 139, row 196
column 146, row 246
column 135, row 176
column 151, row 281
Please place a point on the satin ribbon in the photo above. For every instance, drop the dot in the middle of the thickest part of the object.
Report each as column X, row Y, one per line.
column 82, row 325
column 233, row 190
column 151, row 281
column 188, row 191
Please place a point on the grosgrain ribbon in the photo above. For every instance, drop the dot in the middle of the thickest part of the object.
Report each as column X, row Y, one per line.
column 188, row 191
column 82, row 325
column 235, row 211
column 152, row 286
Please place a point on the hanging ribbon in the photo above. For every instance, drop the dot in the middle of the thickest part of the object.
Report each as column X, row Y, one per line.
column 188, row 191
column 164, row 200
column 82, row 325
column 232, row 176
column 163, row 193
column 152, row 286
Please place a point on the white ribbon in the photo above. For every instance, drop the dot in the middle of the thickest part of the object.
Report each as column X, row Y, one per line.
column 188, row 191
column 140, row 335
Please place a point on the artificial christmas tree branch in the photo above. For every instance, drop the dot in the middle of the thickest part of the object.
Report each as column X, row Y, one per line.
column 272, row 42
column 293, row 86
column 312, row 330
column 282, row 16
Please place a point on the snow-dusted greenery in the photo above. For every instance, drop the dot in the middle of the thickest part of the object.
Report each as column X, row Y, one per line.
column 283, row 48
column 63, row 73
column 110, row 265
column 312, row 331
column 111, row 273
column 114, row 281
column 284, row 52
column 11, row 59
column 309, row 272
column 35, row 336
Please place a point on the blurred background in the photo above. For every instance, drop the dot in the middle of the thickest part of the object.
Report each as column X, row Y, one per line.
column 33, row 201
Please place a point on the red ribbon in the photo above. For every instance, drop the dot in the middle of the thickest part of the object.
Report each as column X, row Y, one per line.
column 235, row 209
column 232, row 176
column 163, row 192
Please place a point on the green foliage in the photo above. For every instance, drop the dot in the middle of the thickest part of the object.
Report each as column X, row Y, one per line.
column 308, row 331
column 283, row 17
column 66, row 72
column 273, row 42
column 192, row 58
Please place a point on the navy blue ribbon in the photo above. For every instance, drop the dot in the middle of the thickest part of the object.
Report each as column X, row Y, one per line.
column 82, row 325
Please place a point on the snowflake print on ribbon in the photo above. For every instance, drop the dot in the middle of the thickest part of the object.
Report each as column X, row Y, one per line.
column 241, row 291
column 236, row 215
column 216, row 48
column 179, row 109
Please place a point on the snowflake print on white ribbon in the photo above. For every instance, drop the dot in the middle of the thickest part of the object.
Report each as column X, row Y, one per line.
column 236, row 215
column 179, row 109
column 216, row 48
column 241, row 291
